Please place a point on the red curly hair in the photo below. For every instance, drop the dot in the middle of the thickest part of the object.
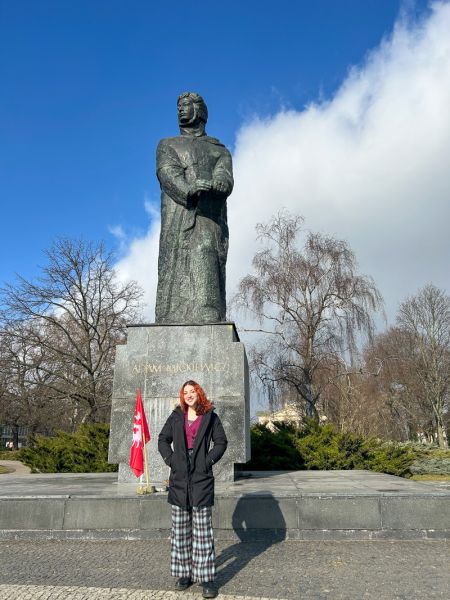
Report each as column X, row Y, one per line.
column 203, row 404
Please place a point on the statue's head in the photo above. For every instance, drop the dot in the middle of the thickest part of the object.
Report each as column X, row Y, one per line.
column 191, row 109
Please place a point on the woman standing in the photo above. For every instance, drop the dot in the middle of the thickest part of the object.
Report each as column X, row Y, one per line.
column 198, row 441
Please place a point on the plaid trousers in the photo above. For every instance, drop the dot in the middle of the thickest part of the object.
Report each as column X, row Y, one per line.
column 192, row 544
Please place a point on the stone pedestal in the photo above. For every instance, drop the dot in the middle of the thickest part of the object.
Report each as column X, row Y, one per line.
column 159, row 359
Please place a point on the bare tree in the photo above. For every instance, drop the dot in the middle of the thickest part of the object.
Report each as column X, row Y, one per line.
column 394, row 397
column 413, row 366
column 310, row 302
column 23, row 401
column 342, row 401
column 70, row 321
column 425, row 318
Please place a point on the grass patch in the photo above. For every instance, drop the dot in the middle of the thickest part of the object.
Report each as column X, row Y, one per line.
column 9, row 454
column 430, row 477
column 4, row 470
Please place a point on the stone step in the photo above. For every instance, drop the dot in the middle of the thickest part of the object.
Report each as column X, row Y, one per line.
column 275, row 506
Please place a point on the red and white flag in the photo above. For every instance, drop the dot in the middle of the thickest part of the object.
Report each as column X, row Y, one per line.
column 140, row 432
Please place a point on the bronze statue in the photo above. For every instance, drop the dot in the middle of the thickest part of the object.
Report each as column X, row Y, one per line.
column 196, row 177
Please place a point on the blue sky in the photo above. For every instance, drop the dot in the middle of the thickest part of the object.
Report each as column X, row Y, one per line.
column 89, row 88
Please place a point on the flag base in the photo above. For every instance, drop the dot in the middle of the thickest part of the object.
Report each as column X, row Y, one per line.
column 146, row 489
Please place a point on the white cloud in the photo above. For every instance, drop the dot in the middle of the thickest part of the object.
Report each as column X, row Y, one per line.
column 140, row 261
column 370, row 165
column 119, row 233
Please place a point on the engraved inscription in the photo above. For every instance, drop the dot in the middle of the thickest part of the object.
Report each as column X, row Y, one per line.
column 144, row 368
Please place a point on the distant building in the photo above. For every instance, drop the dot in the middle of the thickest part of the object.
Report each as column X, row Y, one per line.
column 289, row 414
column 7, row 435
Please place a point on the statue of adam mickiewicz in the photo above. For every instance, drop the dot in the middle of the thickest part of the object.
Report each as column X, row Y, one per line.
column 196, row 177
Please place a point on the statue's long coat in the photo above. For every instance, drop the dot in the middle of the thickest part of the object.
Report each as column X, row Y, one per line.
column 194, row 233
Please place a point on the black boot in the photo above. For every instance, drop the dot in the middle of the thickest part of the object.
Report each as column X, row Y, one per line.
column 209, row 589
column 183, row 583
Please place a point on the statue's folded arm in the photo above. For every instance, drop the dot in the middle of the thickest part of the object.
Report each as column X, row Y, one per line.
column 223, row 171
column 171, row 174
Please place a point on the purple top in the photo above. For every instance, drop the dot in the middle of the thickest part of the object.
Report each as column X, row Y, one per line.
column 191, row 429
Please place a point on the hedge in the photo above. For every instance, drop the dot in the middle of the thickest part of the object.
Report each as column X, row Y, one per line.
column 85, row 451
column 321, row 447
column 313, row 447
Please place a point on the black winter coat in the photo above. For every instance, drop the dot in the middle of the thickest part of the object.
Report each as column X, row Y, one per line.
column 195, row 488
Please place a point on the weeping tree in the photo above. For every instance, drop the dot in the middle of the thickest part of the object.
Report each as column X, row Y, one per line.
column 310, row 304
column 63, row 328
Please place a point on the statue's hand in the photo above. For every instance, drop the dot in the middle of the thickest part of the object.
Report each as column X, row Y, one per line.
column 201, row 185
column 220, row 186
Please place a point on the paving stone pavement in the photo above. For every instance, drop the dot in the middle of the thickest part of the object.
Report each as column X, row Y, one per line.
column 40, row 592
column 138, row 570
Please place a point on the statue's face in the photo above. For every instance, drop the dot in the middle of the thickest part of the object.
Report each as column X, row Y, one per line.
column 186, row 111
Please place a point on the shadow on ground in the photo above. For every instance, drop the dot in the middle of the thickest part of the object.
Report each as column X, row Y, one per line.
column 246, row 523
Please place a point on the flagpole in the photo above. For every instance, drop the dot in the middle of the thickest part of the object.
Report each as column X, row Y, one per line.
column 144, row 450
column 140, row 434
column 145, row 489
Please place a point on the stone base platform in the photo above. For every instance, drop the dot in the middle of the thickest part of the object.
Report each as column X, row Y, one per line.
column 304, row 505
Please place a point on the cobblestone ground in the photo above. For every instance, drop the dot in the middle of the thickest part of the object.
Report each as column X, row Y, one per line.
column 39, row 592
column 138, row 570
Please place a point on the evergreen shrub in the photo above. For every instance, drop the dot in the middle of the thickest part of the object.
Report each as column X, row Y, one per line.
column 435, row 466
column 322, row 447
column 431, row 460
column 274, row 451
column 85, row 451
